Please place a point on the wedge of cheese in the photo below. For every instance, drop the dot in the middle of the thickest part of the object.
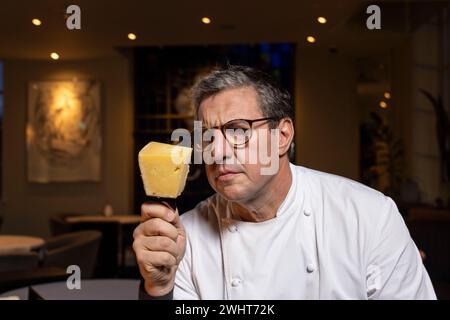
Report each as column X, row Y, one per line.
column 164, row 169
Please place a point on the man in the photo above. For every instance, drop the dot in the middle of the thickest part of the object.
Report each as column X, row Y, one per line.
column 295, row 234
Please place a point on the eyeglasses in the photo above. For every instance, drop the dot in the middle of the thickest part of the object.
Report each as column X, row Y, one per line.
column 237, row 132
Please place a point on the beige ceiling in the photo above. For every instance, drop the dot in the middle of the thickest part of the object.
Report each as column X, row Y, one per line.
column 105, row 25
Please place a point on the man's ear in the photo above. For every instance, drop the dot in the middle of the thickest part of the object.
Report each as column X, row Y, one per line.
column 286, row 135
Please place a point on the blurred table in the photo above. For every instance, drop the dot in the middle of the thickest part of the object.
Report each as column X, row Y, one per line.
column 121, row 219
column 98, row 289
column 10, row 244
column 126, row 225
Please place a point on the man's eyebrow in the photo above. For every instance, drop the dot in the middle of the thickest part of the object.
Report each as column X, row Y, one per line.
column 205, row 126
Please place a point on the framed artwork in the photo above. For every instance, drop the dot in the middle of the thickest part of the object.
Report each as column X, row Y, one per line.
column 63, row 131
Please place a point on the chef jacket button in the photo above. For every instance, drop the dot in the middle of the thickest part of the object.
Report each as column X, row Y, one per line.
column 307, row 213
column 232, row 228
column 236, row 282
column 310, row 268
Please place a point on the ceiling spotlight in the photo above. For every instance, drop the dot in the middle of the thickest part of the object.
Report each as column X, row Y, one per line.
column 206, row 20
column 383, row 105
column 36, row 22
column 322, row 20
column 132, row 36
column 310, row 39
column 387, row 95
column 54, row 56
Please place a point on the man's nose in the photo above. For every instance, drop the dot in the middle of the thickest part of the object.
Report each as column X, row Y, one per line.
column 222, row 149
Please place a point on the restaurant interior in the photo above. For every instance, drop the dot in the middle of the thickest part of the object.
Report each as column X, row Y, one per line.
column 83, row 88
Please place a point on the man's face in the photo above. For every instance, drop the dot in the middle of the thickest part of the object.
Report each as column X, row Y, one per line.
column 231, row 174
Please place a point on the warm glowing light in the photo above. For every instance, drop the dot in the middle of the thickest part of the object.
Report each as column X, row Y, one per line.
column 36, row 22
column 132, row 36
column 387, row 95
column 310, row 39
column 29, row 133
column 66, row 112
column 206, row 20
column 383, row 104
column 54, row 56
column 322, row 20
column 66, row 101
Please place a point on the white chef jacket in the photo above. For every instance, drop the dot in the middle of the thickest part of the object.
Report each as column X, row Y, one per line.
column 332, row 238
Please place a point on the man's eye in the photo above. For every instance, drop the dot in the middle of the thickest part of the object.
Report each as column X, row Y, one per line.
column 238, row 127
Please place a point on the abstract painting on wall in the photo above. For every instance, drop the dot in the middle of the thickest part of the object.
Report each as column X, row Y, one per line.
column 64, row 131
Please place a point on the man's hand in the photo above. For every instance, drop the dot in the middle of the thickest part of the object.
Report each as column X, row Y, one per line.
column 159, row 245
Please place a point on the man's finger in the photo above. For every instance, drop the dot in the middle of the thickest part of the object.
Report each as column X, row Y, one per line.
column 159, row 243
column 151, row 210
column 157, row 227
column 158, row 259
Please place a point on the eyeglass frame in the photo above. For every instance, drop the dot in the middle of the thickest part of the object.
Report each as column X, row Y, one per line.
column 250, row 123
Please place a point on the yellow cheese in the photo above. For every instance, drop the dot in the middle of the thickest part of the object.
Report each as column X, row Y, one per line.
column 164, row 169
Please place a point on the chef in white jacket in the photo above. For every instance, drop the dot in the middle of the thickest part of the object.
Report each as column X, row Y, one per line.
column 294, row 234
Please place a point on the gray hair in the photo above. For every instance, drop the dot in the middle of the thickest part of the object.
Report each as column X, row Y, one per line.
column 274, row 101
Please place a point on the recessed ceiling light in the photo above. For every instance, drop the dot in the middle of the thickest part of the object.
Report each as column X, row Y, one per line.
column 322, row 20
column 383, row 105
column 310, row 39
column 206, row 20
column 36, row 22
column 132, row 36
column 54, row 56
column 387, row 95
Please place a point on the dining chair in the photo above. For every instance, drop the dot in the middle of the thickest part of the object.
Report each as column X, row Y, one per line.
column 19, row 261
column 74, row 248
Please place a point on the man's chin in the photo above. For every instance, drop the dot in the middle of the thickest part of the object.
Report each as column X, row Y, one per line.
column 231, row 193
